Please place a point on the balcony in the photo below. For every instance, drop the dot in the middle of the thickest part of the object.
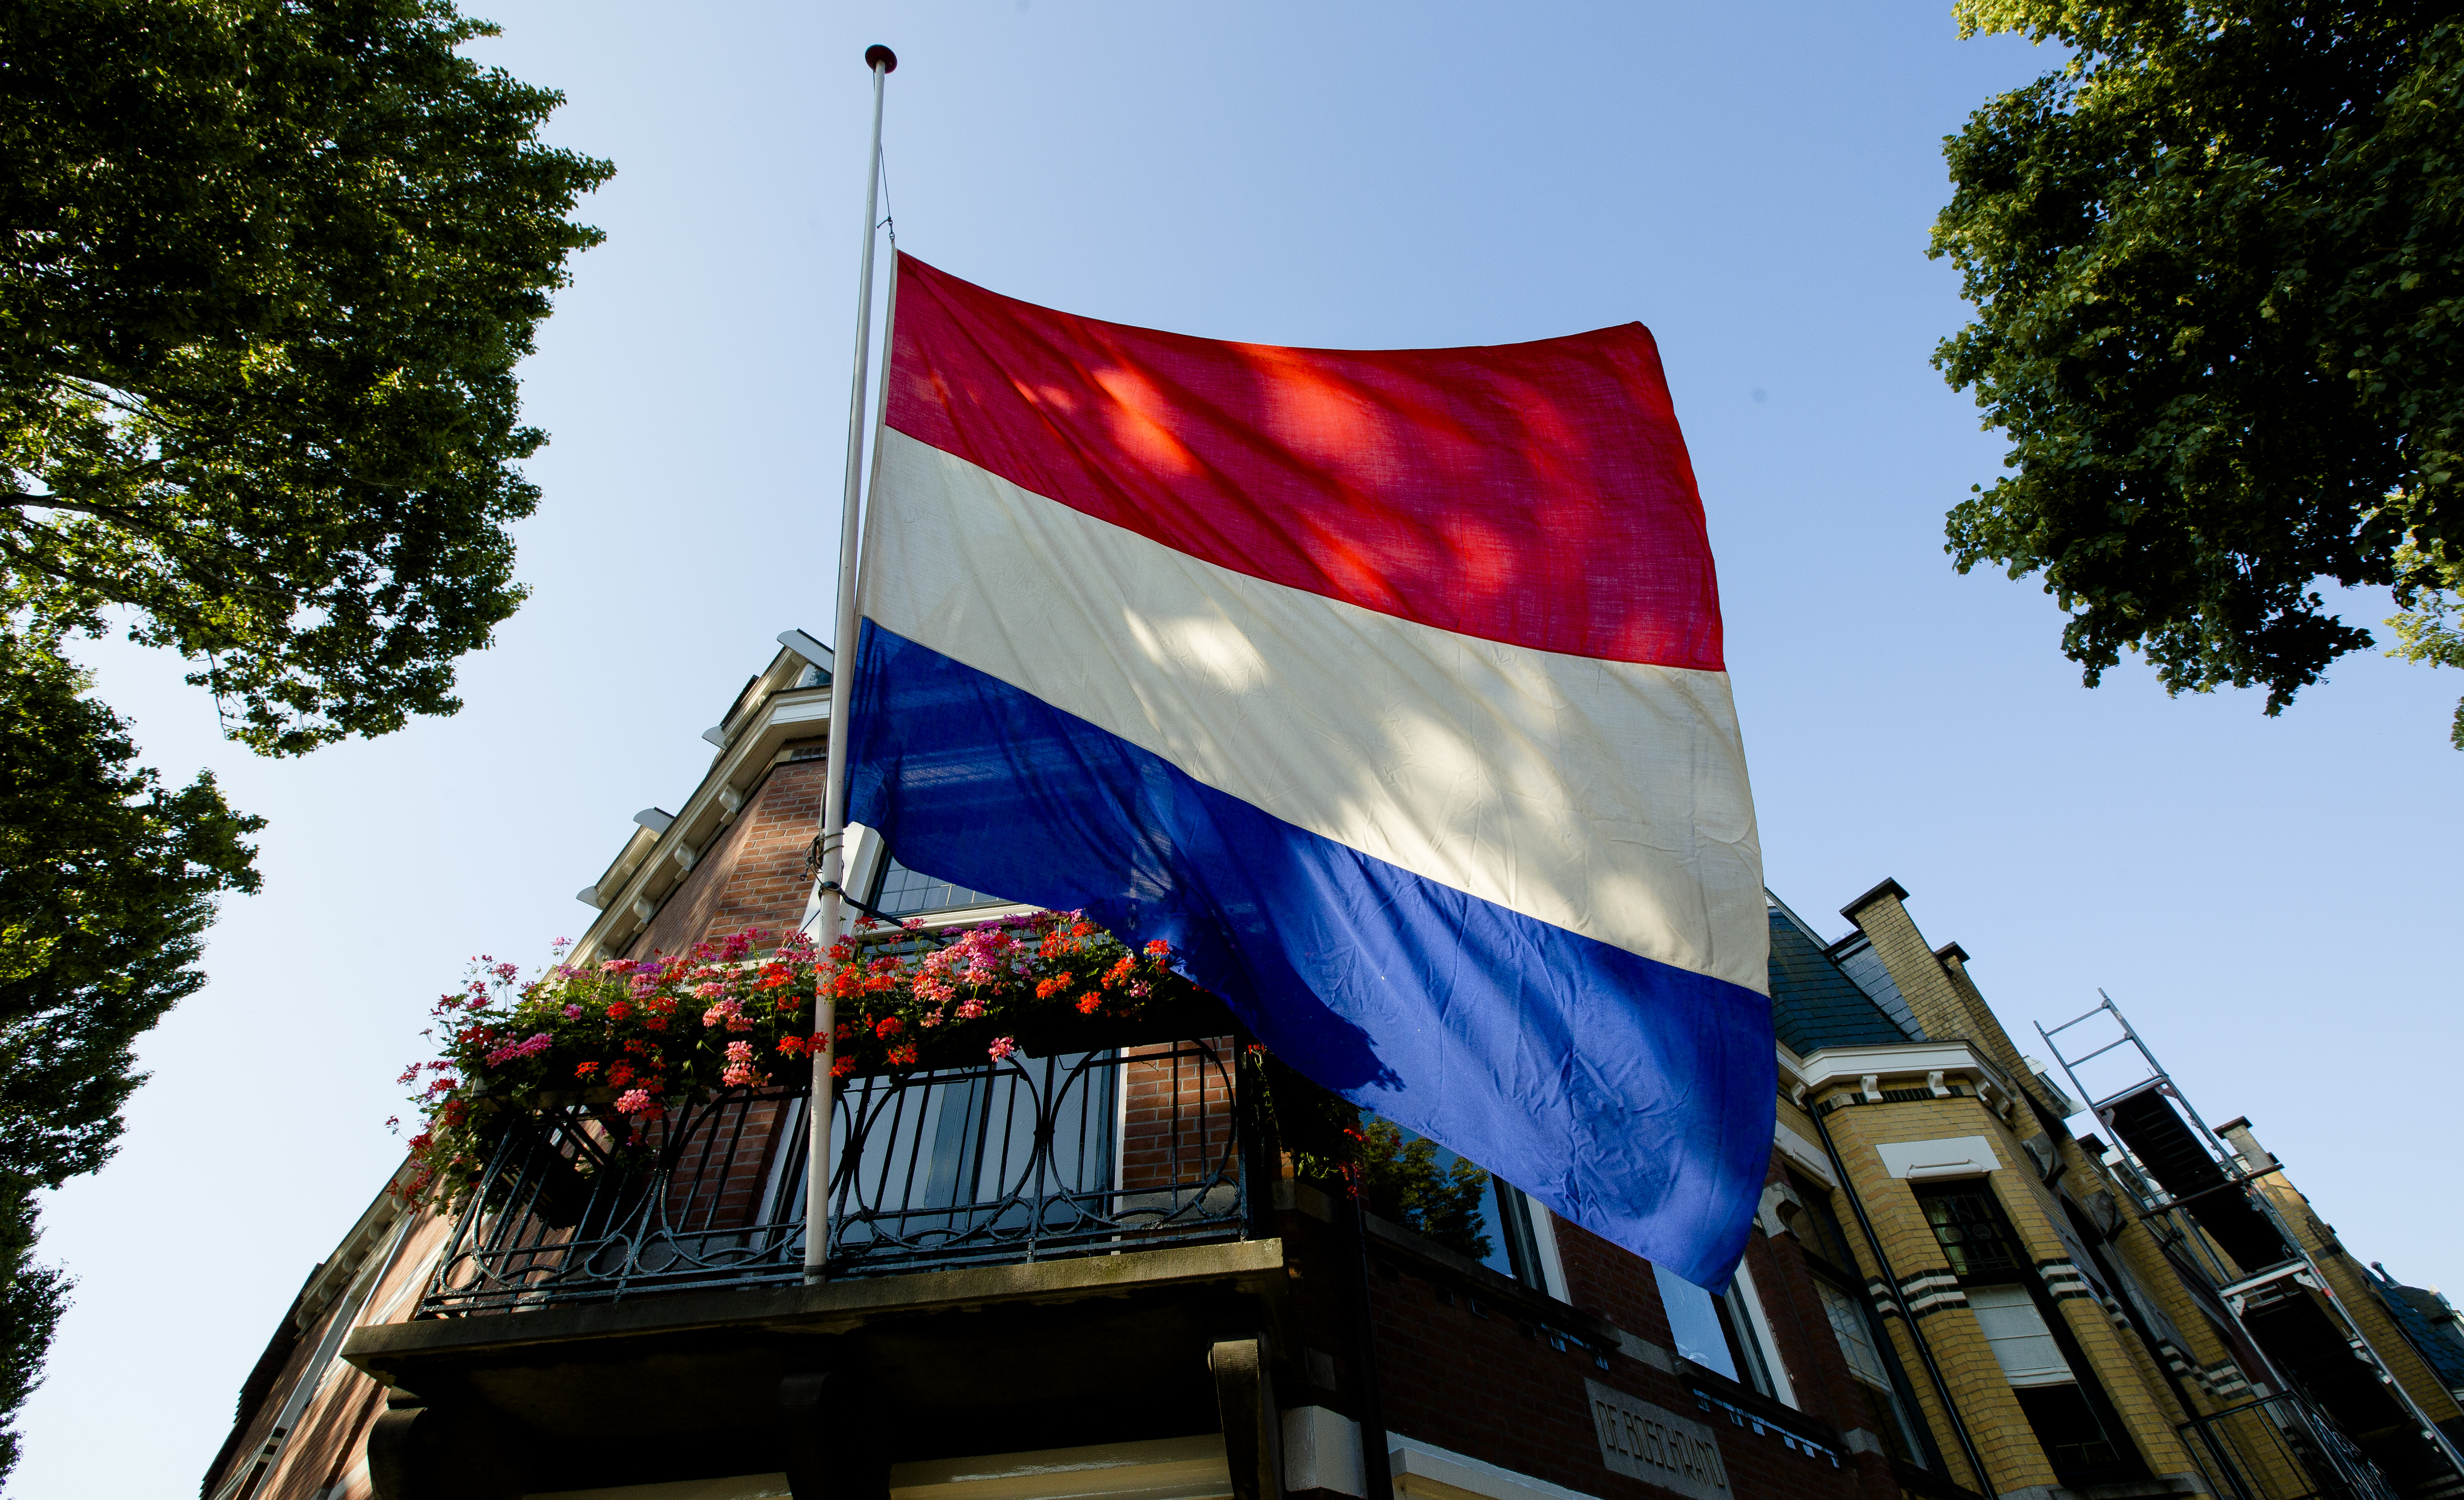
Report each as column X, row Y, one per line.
column 1024, row 1160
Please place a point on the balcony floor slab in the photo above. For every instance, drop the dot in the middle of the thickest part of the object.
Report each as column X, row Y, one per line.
column 944, row 1363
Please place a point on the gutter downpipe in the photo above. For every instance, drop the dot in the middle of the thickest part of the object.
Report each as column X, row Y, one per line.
column 1891, row 1279
column 1376, row 1463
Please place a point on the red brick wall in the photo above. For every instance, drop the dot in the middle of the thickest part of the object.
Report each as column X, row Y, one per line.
column 1493, row 1387
column 725, row 1167
column 1185, row 1101
column 753, row 875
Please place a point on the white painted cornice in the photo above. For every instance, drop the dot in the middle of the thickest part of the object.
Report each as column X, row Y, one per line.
column 649, row 866
column 1864, row 1069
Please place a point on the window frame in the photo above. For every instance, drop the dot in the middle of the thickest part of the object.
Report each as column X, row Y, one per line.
column 2128, row 1463
column 1744, row 1331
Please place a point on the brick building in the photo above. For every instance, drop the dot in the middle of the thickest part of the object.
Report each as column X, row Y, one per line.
column 1083, row 1277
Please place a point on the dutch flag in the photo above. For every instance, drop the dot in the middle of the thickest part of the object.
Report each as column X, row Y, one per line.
column 1386, row 685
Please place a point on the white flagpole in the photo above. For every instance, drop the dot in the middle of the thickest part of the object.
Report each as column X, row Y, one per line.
column 817, row 1168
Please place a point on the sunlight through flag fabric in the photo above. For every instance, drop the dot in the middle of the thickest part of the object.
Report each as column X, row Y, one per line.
column 1386, row 685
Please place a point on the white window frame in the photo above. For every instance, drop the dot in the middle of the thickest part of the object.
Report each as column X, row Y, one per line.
column 1544, row 1238
column 1741, row 1292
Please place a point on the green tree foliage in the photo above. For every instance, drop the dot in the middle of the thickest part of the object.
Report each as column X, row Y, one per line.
column 107, row 884
column 2427, row 629
column 2218, row 259
column 266, row 268
column 1400, row 1181
column 31, row 1299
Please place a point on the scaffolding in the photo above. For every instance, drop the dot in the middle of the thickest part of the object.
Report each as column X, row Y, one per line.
column 2200, row 1197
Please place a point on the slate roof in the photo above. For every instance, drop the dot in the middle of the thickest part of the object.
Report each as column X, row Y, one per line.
column 1813, row 1004
column 2413, row 1309
column 1856, row 959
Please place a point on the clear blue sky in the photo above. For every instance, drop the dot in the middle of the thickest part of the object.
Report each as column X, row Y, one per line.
column 1754, row 181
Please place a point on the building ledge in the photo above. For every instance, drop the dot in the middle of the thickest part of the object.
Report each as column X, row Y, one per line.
column 2163, row 1484
column 835, row 1307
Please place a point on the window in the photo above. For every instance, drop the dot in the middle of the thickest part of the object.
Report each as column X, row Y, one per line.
column 1870, row 1360
column 1969, row 1226
column 2023, row 1346
column 1726, row 1335
column 2074, row 1440
column 2065, row 1405
column 2049, row 1392
column 1856, row 1339
column 908, row 893
column 1414, row 1182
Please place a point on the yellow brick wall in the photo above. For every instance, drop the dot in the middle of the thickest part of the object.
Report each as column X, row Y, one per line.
column 2152, row 1403
column 2135, row 1387
column 1996, row 1422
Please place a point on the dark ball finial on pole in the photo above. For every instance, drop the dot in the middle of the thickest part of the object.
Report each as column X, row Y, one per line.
column 879, row 56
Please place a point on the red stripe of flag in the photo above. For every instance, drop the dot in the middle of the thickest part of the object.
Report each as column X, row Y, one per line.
column 1536, row 493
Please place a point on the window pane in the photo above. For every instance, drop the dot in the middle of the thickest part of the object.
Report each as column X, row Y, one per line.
column 1419, row 1184
column 1856, row 1339
column 2022, row 1344
column 908, row 893
column 1694, row 1322
column 1511, row 1213
column 1859, row 1345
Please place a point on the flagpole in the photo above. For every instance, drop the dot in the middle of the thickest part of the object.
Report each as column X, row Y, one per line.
column 817, row 1168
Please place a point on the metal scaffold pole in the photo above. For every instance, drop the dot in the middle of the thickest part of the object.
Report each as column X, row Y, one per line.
column 817, row 1168
column 2239, row 1180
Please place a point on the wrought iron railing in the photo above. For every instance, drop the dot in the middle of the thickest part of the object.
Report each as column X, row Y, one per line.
column 1022, row 1159
column 2281, row 1447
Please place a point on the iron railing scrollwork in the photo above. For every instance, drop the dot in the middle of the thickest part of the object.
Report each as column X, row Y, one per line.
column 1019, row 1159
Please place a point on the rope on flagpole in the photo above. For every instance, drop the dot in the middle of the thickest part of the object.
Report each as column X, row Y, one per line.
column 888, row 211
column 880, row 61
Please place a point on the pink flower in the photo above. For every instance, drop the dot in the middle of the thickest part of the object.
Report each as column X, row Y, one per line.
column 633, row 1101
column 1002, row 1047
column 519, row 1049
column 572, row 1012
column 740, row 1051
